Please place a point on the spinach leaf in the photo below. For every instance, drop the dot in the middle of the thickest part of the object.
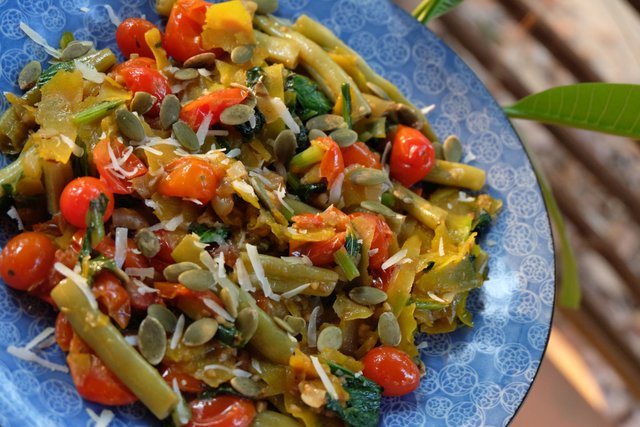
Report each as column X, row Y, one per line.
column 253, row 75
column 210, row 235
column 482, row 222
column 246, row 131
column 363, row 407
column 352, row 245
column 310, row 101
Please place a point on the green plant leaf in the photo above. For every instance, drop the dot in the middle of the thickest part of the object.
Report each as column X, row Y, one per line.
column 430, row 9
column 603, row 107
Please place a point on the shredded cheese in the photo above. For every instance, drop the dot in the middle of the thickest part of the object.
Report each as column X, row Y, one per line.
column 29, row 356
column 183, row 416
column 463, row 197
column 112, row 15
column 441, row 247
column 13, row 214
column 435, row 297
column 422, row 345
column 285, row 115
column 201, row 133
column 75, row 148
column 102, row 420
column 80, row 281
column 324, row 378
column 312, row 329
column 39, row 40
column 144, row 289
column 385, row 154
column 243, row 276
column 281, row 193
column 255, row 364
column 373, row 251
column 204, row 72
column 177, row 333
column 143, row 273
column 132, row 340
column 84, row 9
column 89, row 72
column 335, row 193
column 254, row 258
column 233, row 153
column 426, row 110
column 218, row 309
column 395, row 259
column 469, row 157
column 174, row 222
column 116, row 165
column 46, row 332
column 295, row 291
column 121, row 246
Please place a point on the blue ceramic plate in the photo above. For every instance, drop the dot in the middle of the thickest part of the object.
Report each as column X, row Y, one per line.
column 475, row 377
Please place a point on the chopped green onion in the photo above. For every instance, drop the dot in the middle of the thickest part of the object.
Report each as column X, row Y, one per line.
column 96, row 112
column 308, row 157
column 346, row 104
column 345, row 262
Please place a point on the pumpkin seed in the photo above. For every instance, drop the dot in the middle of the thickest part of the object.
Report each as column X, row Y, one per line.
column 200, row 332
column 197, row 280
column 29, row 75
column 236, row 114
column 452, row 149
column 246, row 386
column 201, row 60
column 129, row 124
column 389, row 329
column 296, row 323
column 329, row 337
column 344, row 137
column 379, row 208
column 368, row 176
column 152, row 340
column 326, row 122
column 242, row 54
column 142, row 102
column 147, row 242
column 266, row 6
column 378, row 91
column 285, row 146
column 407, row 116
column 169, row 111
column 186, row 74
column 163, row 315
column 367, row 295
column 186, row 136
column 75, row 49
column 283, row 325
column 173, row 271
column 315, row 134
column 247, row 323
column 230, row 301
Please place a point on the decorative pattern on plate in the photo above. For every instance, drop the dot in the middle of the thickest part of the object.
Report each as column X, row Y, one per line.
column 475, row 377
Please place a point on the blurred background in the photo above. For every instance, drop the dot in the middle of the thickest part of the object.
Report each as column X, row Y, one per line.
column 591, row 372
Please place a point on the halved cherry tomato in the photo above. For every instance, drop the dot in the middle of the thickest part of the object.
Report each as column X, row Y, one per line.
column 214, row 103
column 360, row 154
column 26, row 260
column 330, row 217
column 412, row 156
column 332, row 164
column 139, row 76
column 186, row 382
column 130, row 37
column 76, row 196
column 184, row 29
column 381, row 239
column 115, row 180
column 320, row 253
column 222, row 411
column 190, row 178
column 64, row 332
column 140, row 62
column 392, row 369
column 112, row 297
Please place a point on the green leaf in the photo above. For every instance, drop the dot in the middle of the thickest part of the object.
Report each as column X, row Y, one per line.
column 363, row 407
column 602, row 107
column 430, row 9
column 210, row 235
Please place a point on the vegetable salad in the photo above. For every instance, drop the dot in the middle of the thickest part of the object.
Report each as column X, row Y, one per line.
column 241, row 224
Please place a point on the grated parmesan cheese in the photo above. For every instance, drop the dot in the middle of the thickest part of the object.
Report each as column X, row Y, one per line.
column 395, row 259
column 254, row 258
column 324, row 378
column 385, row 154
column 285, row 115
column 426, row 110
column 29, row 356
column 203, row 129
column 84, row 9
column 243, row 276
column 233, row 153
column 295, row 291
column 183, row 416
column 132, row 340
column 121, row 246
column 102, row 420
column 441, row 247
column 177, row 333
column 13, row 214
column 372, row 252
column 89, row 72
column 75, row 148
column 173, row 223
column 435, row 297
column 463, row 197
column 80, row 281
column 422, row 345
column 112, row 15
column 218, row 309
column 144, row 289
column 335, row 193
column 39, row 40
column 46, row 332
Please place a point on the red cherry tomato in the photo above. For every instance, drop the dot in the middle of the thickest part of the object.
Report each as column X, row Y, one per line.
column 214, row 103
column 186, row 382
column 320, row 253
column 222, row 411
column 184, row 29
column 130, row 37
column 381, row 239
column 332, row 164
column 26, row 260
column 75, row 198
column 360, row 154
column 391, row 369
column 112, row 297
column 412, row 156
column 190, row 178
column 140, row 75
column 64, row 332
column 114, row 180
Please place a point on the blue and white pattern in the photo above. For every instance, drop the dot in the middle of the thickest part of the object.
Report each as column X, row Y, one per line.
column 475, row 377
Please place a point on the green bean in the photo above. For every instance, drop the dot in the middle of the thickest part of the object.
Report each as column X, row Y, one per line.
column 101, row 60
column 56, row 176
column 456, row 175
column 13, row 131
column 319, row 64
column 122, row 359
column 428, row 214
column 279, row 49
column 272, row 418
column 10, row 174
column 299, row 207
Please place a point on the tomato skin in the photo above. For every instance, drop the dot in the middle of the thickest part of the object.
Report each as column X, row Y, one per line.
column 392, row 369
column 75, row 198
column 360, row 154
column 184, row 29
column 133, row 165
column 332, row 164
column 26, row 260
column 190, row 178
column 64, row 332
column 139, row 76
column 214, row 103
column 381, row 239
column 320, row 253
column 222, row 411
column 186, row 382
column 112, row 297
column 412, row 156
column 130, row 37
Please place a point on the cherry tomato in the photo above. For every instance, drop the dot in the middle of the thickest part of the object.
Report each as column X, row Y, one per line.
column 75, row 198
column 139, row 76
column 186, row 382
column 222, row 411
column 190, row 178
column 412, row 156
column 114, row 179
column 112, row 297
column 330, row 217
column 26, row 260
column 184, row 29
column 380, row 240
column 64, row 332
column 392, row 369
column 214, row 103
column 360, row 154
column 332, row 164
column 320, row 253
column 130, row 37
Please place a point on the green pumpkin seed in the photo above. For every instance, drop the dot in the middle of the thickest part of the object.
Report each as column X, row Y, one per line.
column 315, row 134
column 152, row 340
column 163, row 315
column 147, row 242
column 344, row 137
column 236, row 114
column 185, row 136
column 452, row 149
column 329, row 337
column 75, row 49
column 29, row 75
column 285, row 146
column 169, row 111
column 389, row 329
column 246, row 386
column 367, row 295
column 186, row 74
column 407, row 116
column 378, row 91
column 266, row 6
column 242, row 54
column 326, row 122
column 201, row 60
column 379, row 208
column 247, row 323
column 283, row 325
column 200, row 332
column 142, row 102
column 173, row 271
column 197, row 280
column 129, row 125
column 297, row 324
column 230, row 301
column 368, row 176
